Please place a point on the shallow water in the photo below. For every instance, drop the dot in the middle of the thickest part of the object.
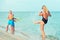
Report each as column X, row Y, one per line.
column 26, row 25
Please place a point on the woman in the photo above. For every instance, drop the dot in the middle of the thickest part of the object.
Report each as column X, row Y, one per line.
column 45, row 14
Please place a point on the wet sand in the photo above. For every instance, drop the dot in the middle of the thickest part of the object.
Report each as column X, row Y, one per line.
column 7, row 36
column 24, row 36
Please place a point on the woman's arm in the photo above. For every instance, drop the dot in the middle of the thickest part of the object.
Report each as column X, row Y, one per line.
column 49, row 13
column 40, row 14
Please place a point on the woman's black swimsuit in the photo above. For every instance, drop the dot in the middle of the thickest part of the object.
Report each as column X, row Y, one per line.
column 44, row 20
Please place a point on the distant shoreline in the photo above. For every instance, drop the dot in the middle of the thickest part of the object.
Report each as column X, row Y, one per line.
column 28, row 11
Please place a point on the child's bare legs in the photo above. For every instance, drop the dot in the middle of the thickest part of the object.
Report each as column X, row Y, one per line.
column 12, row 30
column 7, row 28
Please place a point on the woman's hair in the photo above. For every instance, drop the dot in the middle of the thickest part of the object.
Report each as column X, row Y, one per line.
column 46, row 10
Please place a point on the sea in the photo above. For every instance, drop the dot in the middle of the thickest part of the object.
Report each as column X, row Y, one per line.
column 25, row 26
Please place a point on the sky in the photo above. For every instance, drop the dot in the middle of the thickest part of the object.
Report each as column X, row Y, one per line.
column 29, row 5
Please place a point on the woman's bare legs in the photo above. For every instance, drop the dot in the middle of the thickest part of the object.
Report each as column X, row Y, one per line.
column 37, row 22
column 42, row 30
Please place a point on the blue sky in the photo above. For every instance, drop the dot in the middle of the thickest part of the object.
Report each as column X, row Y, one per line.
column 29, row 5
